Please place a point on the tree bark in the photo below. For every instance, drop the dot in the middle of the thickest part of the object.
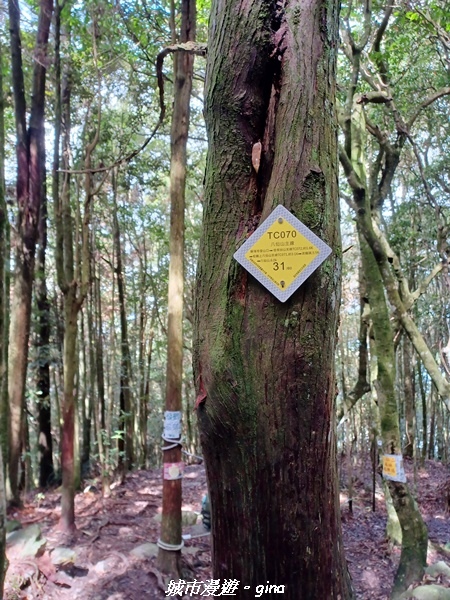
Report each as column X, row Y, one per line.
column 432, row 432
column 4, row 278
column 4, row 418
column 266, row 368
column 45, row 444
column 410, row 400
column 414, row 532
column 168, row 560
column 126, row 399
column 29, row 191
column 423, row 396
column 73, row 262
column 67, row 521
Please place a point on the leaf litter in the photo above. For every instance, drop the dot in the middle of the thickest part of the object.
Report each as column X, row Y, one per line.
column 109, row 546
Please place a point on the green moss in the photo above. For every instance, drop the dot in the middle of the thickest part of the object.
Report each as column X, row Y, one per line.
column 312, row 201
column 328, row 268
column 308, row 214
column 292, row 319
column 296, row 15
column 393, row 528
column 389, row 424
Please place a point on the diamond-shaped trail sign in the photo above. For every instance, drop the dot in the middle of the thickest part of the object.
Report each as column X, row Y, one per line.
column 282, row 253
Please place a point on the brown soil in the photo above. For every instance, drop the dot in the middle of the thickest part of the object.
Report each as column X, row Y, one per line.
column 109, row 528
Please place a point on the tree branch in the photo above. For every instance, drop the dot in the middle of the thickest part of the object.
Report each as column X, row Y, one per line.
column 191, row 48
column 438, row 94
column 421, row 289
column 352, row 178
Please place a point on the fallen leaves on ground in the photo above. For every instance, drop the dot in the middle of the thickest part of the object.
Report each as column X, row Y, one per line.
column 109, row 529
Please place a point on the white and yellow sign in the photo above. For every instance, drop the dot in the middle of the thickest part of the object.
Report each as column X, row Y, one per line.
column 393, row 467
column 282, row 253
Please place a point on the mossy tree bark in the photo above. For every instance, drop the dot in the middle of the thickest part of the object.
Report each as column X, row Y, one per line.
column 29, row 191
column 265, row 370
column 370, row 184
column 386, row 158
column 413, row 530
column 168, row 560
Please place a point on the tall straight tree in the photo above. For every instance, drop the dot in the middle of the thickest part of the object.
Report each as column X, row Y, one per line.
column 4, row 249
column 168, row 556
column 45, row 445
column 3, row 406
column 73, row 256
column 30, row 147
column 126, row 458
column 265, row 369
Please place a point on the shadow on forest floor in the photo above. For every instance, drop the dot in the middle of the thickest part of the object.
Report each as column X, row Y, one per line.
column 109, row 561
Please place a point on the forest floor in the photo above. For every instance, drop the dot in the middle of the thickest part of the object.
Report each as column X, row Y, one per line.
column 109, row 561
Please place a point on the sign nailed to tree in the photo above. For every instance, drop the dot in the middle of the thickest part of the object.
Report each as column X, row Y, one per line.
column 282, row 253
column 393, row 467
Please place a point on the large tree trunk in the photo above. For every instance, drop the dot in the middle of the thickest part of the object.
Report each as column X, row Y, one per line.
column 168, row 559
column 266, row 368
column 29, row 190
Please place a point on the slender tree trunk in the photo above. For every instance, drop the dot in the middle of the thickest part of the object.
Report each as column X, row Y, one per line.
column 45, row 449
column 144, row 360
column 168, row 559
column 73, row 262
column 414, row 531
column 87, row 399
column 265, row 370
column 68, row 412
column 4, row 418
column 361, row 386
column 126, row 399
column 145, row 399
column 97, row 386
column 410, row 401
column 29, row 190
column 432, row 434
column 66, row 280
column 4, row 276
column 423, row 396
column 99, row 357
